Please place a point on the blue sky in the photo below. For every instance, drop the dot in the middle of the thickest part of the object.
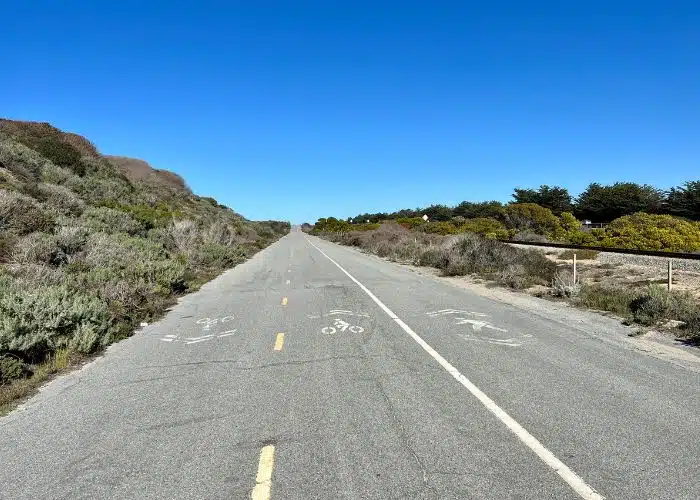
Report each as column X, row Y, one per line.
column 296, row 110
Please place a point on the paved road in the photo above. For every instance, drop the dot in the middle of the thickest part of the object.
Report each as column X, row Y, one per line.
column 385, row 384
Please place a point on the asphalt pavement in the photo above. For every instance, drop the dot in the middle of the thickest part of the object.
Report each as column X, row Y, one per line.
column 313, row 371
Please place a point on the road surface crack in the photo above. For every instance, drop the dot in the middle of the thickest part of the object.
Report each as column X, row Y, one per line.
column 405, row 440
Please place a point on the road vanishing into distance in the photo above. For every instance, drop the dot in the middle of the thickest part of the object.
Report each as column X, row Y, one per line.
column 313, row 371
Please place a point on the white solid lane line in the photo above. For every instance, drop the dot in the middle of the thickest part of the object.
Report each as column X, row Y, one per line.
column 573, row 480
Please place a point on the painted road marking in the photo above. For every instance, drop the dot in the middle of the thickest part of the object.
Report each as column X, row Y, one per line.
column 288, row 282
column 572, row 479
column 279, row 342
column 263, row 481
column 284, row 301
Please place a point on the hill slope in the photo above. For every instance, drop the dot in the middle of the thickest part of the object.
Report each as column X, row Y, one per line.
column 91, row 245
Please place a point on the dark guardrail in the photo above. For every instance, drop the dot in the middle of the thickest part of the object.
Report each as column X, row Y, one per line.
column 652, row 253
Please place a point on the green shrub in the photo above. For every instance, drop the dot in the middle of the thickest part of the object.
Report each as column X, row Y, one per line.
column 583, row 237
column 410, row 222
column 532, row 217
column 156, row 216
column 656, row 303
column 120, row 251
column 485, row 226
column 439, row 228
column 38, row 247
column 691, row 329
column 108, row 220
column 652, row 232
column 52, row 174
column 101, row 190
column 36, row 321
column 569, row 223
column 331, row 225
column 219, row 257
column 24, row 163
column 606, row 298
column 12, row 368
column 60, row 200
column 20, row 214
column 7, row 243
column 58, row 152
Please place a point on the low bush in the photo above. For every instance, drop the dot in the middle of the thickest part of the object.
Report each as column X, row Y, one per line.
column 12, row 367
column 652, row 232
column 410, row 222
column 656, row 303
column 563, row 285
column 485, row 226
column 442, row 228
column 42, row 319
column 529, row 236
column 690, row 331
column 20, row 214
column 648, row 306
column 7, row 243
column 60, row 200
column 607, row 298
column 38, row 248
column 109, row 220
column 532, row 217
column 58, row 152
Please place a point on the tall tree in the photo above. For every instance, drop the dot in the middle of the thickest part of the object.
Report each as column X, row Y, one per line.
column 684, row 201
column 555, row 198
column 438, row 212
column 604, row 203
column 470, row 210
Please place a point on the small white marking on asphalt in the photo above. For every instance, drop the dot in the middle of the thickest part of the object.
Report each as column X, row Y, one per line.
column 568, row 475
column 288, row 282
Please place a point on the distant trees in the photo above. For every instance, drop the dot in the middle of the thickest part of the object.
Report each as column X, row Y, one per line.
column 470, row 210
column 684, row 201
column 598, row 202
column 605, row 203
column 555, row 198
column 438, row 213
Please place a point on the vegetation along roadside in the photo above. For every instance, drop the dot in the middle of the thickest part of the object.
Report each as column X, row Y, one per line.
column 469, row 253
column 92, row 245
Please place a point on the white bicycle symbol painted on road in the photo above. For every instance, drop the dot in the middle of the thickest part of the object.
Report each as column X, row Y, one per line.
column 208, row 323
column 340, row 325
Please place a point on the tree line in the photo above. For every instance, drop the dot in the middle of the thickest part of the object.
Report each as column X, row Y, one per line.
column 598, row 203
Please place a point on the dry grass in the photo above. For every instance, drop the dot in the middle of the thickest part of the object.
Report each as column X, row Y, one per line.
column 454, row 255
column 580, row 254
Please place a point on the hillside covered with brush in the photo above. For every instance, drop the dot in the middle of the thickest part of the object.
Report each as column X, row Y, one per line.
column 91, row 245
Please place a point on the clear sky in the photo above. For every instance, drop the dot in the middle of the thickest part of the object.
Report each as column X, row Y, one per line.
column 296, row 109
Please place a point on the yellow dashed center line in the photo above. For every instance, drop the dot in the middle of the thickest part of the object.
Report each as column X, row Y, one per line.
column 284, row 301
column 263, row 481
column 279, row 342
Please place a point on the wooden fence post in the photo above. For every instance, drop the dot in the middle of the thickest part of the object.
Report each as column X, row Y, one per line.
column 574, row 267
column 670, row 273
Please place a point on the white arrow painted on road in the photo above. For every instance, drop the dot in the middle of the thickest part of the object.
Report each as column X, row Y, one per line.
column 477, row 325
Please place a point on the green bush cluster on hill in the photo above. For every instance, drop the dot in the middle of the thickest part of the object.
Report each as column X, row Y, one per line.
column 86, row 255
